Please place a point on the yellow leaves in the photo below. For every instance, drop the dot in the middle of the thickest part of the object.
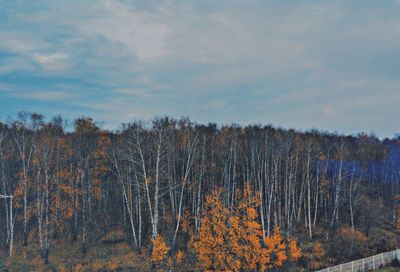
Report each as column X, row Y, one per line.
column 79, row 268
column 185, row 221
column 348, row 242
column 113, row 266
column 233, row 241
column 179, row 257
column 276, row 247
column 280, row 258
column 210, row 244
column 106, row 258
column 174, row 262
column 253, row 225
column 254, row 241
column 170, row 262
column 160, row 249
column 148, row 180
column 294, row 250
column 96, row 266
column 348, row 233
column 251, row 213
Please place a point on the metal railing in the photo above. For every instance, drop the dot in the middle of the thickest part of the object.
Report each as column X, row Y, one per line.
column 366, row 264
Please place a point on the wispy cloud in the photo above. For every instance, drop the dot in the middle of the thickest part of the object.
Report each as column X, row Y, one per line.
column 52, row 62
column 143, row 36
column 18, row 93
column 45, row 96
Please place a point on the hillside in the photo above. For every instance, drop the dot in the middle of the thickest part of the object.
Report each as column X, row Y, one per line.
column 92, row 198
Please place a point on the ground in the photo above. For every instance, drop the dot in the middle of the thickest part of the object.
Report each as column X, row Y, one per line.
column 67, row 257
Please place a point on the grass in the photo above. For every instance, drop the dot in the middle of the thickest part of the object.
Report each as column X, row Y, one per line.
column 394, row 267
column 67, row 257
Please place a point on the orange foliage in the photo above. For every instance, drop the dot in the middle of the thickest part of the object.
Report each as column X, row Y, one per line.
column 79, row 268
column 294, row 250
column 318, row 250
column 113, row 266
column 233, row 241
column 96, row 266
column 170, row 263
column 315, row 256
column 185, row 221
column 276, row 246
column 179, row 257
column 160, row 249
column 210, row 245
column 348, row 233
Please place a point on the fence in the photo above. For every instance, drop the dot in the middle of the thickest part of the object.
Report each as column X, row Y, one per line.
column 366, row 264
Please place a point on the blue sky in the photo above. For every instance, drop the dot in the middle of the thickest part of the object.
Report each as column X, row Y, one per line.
column 330, row 65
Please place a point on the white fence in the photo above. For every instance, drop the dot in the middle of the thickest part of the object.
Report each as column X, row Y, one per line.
column 366, row 264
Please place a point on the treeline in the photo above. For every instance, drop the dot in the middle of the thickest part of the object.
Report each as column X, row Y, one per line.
column 150, row 178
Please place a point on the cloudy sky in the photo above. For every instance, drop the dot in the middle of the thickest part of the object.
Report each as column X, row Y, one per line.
column 330, row 65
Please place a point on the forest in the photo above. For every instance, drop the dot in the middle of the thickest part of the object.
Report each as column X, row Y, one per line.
column 174, row 195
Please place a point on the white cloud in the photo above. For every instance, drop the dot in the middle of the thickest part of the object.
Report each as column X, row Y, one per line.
column 135, row 30
column 52, row 62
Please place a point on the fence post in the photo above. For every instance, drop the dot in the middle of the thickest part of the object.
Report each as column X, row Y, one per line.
column 352, row 266
column 398, row 254
column 383, row 261
column 363, row 264
column 373, row 262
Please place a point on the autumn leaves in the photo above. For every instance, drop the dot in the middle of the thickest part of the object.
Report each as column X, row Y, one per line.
column 160, row 249
column 232, row 239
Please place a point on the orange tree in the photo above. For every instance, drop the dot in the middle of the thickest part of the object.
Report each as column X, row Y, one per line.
column 211, row 244
column 160, row 249
column 233, row 241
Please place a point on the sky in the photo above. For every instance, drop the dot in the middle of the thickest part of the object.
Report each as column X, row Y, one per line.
column 329, row 65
